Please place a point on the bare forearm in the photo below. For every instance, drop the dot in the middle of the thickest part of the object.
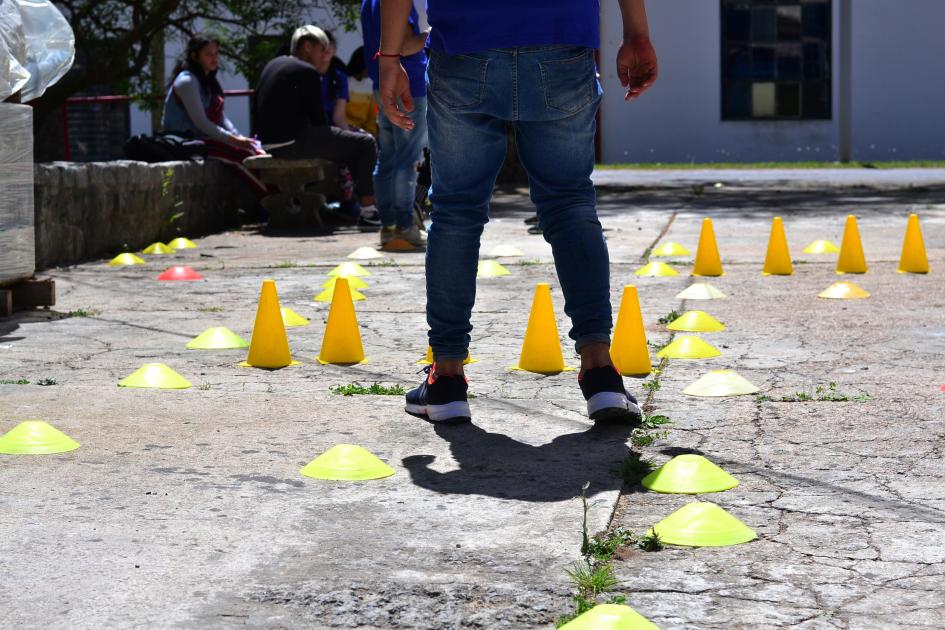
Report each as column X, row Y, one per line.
column 634, row 18
column 394, row 15
column 414, row 44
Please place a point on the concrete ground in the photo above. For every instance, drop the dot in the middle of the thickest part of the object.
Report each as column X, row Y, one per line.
column 186, row 508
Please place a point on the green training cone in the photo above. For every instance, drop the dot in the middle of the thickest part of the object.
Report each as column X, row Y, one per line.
column 125, row 259
column 291, row 318
column 670, row 249
column 347, row 462
column 349, row 269
column 696, row 321
column 182, row 243
column 720, row 383
column 610, row 617
column 157, row 248
column 217, row 338
column 353, row 281
column 700, row 291
column 491, row 269
column 689, row 474
column 656, row 270
column 35, row 437
column 700, row 524
column 156, row 376
column 688, row 347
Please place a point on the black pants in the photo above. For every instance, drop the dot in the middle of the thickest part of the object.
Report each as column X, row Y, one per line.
column 357, row 151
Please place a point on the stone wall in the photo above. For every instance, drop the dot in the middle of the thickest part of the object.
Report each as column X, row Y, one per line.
column 100, row 209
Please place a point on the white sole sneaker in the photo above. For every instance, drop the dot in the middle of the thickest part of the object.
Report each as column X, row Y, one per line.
column 456, row 411
column 612, row 406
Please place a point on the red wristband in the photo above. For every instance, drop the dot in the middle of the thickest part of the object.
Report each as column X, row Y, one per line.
column 382, row 54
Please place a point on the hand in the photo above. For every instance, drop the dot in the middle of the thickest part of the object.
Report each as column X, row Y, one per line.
column 394, row 86
column 636, row 66
column 243, row 141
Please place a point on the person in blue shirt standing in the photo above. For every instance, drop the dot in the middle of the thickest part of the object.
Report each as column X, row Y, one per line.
column 399, row 151
column 530, row 63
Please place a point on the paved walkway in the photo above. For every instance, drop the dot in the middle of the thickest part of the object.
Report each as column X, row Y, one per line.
column 186, row 509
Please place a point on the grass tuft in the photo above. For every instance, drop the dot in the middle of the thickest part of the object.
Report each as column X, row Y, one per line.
column 375, row 389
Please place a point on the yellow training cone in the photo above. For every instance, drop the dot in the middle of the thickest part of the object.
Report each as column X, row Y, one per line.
column 155, row 376
column 707, row 262
column 505, row 251
column 913, row 258
column 700, row 524
column 182, row 243
column 541, row 349
column 821, row 247
column 719, row 383
column 843, row 291
column 491, row 269
column 291, row 318
column 353, row 281
column 269, row 346
column 342, row 340
column 688, row 347
column 778, row 258
column 700, row 291
column 157, row 248
column 125, row 259
column 610, row 617
column 851, row 259
column 689, row 474
column 347, row 462
column 670, row 249
column 35, row 437
column 349, row 269
column 696, row 321
column 428, row 359
column 656, row 270
column 328, row 294
column 217, row 338
column 629, row 350
column 365, row 253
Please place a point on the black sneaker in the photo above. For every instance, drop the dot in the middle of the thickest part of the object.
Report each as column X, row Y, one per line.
column 606, row 397
column 439, row 398
column 369, row 220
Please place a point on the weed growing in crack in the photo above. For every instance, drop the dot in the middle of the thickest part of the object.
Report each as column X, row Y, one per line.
column 375, row 389
column 210, row 309
column 82, row 312
column 821, row 393
column 633, row 469
column 9, row 381
column 591, row 580
column 527, row 262
column 603, row 546
column 651, row 385
column 387, row 262
column 640, row 437
column 761, row 398
column 654, row 421
column 204, row 387
column 669, row 317
column 650, row 542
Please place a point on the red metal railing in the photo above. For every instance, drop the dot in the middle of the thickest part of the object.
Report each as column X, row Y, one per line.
column 111, row 98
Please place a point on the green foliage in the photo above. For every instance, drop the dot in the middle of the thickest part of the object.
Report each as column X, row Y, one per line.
column 603, row 546
column 526, row 262
column 821, row 393
column 669, row 317
column 633, row 469
column 7, row 381
column 204, row 387
column 650, row 542
column 375, row 389
column 210, row 309
column 640, row 437
column 83, row 312
column 652, row 385
column 591, row 580
column 760, row 398
column 654, row 421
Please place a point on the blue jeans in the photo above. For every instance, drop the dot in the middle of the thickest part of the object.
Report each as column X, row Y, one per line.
column 550, row 95
column 395, row 174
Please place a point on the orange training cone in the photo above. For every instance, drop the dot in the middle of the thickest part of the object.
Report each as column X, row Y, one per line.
column 913, row 258
column 851, row 259
column 342, row 340
column 707, row 262
column 269, row 346
column 541, row 349
column 629, row 349
column 778, row 258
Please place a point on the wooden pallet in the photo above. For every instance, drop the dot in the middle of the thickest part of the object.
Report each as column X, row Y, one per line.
column 26, row 294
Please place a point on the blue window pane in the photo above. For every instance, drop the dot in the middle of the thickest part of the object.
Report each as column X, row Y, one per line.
column 815, row 62
column 815, row 21
column 762, row 63
column 764, row 24
column 788, row 99
column 737, row 100
column 816, row 100
column 736, row 25
column 737, row 63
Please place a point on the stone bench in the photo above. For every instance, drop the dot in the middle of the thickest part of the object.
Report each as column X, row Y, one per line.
column 297, row 202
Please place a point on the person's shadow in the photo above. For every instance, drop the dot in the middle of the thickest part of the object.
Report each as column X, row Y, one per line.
column 495, row 465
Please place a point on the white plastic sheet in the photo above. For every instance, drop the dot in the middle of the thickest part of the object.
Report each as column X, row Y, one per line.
column 17, row 239
column 41, row 43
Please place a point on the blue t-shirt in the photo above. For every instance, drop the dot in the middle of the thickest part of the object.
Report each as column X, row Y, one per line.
column 464, row 26
column 331, row 94
column 415, row 65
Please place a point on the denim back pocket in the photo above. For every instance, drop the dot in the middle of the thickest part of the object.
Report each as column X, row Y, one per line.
column 459, row 81
column 569, row 84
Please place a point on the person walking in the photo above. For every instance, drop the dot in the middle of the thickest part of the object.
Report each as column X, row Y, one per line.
column 399, row 151
column 531, row 64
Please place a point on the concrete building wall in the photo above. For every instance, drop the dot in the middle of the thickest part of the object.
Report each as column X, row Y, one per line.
column 898, row 80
